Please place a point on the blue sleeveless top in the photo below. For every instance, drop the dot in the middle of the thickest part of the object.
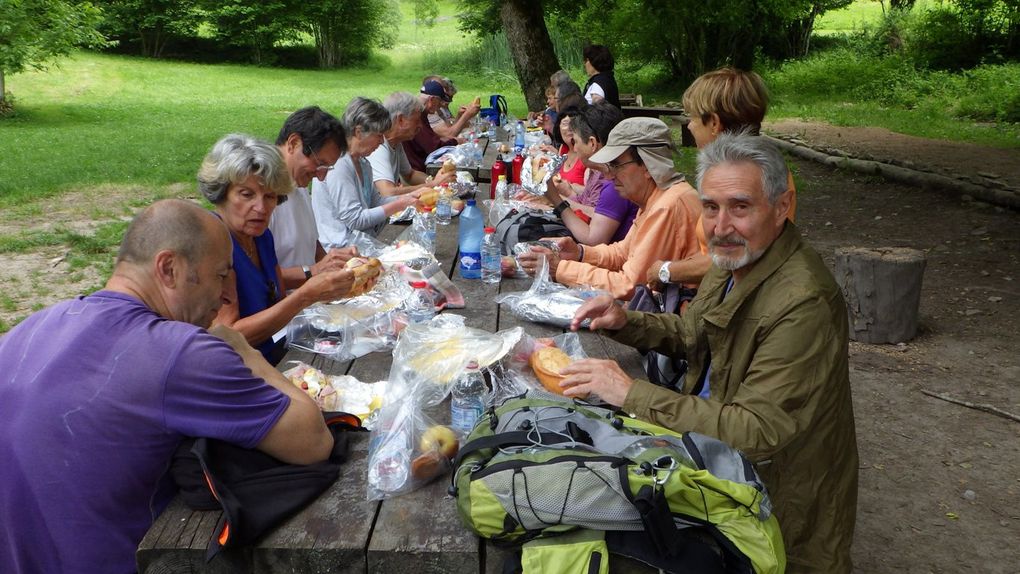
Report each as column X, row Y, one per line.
column 259, row 288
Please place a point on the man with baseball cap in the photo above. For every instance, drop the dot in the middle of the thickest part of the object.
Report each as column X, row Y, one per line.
column 443, row 122
column 426, row 141
column 638, row 156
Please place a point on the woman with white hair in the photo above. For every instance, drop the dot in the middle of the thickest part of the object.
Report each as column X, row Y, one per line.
column 348, row 201
column 245, row 178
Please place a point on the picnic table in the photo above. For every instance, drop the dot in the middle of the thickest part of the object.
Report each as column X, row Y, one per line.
column 341, row 531
column 482, row 173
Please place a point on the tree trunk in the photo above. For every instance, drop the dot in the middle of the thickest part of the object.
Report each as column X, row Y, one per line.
column 3, row 90
column 883, row 290
column 531, row 48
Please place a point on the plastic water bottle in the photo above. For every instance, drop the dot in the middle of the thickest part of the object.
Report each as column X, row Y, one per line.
column 425, row 225
column 519, row 138
column 421, row 308
column 502, row 189
column 491, row 257
column 476, row 150
column 467, row 402
column 469, row 240
column 444, row 207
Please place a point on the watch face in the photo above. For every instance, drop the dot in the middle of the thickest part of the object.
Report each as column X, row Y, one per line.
column 664, row 273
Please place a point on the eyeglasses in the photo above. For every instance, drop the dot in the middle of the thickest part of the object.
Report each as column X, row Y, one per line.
column 321, row 166
column 613, row 168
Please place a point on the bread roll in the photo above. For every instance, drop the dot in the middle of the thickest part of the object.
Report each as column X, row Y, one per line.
column 547, row 362
column 365, row 271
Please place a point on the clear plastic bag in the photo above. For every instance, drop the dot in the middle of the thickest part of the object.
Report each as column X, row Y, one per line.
column 427, row 361
column 513, row 376
column 547, row 301
column 339, row 392
column 352, row 328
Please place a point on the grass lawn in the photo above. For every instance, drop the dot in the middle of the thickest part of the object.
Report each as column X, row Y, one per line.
column 101, row 134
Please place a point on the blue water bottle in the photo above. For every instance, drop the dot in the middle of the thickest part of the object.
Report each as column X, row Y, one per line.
column 469, row 237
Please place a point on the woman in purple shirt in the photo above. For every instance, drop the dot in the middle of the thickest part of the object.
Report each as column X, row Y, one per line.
column 610, row 215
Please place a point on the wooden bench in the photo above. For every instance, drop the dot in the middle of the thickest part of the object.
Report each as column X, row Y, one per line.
column 341, row 531
column 631, row 100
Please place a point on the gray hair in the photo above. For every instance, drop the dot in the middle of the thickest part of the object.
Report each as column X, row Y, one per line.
column 742, row 147
column 368, row 114
column 558, row 77
column 235, row 158
column 402, row 104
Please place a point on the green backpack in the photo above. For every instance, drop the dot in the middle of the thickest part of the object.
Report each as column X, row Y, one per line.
column 536, row 468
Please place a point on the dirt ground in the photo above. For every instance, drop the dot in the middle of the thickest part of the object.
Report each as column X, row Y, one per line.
column 939, row 482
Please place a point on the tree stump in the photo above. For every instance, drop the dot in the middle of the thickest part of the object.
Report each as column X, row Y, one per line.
column 882, row 287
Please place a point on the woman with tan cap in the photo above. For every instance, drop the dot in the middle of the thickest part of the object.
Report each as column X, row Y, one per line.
column 638, row 156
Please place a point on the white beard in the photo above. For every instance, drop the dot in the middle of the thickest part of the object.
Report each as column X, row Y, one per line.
column 731, row 263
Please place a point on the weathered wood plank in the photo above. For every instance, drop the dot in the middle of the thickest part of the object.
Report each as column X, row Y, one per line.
column 421, row 532
column 331, row 534
column 177, row 542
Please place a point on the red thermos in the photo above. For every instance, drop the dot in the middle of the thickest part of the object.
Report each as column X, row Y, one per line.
column 498, row 169
column 518, row 163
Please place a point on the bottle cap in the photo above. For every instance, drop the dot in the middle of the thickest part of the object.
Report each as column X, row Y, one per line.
column 502, row 177
column 471, row 202
column 490, row 230
column 428, row 208
column 419, row 284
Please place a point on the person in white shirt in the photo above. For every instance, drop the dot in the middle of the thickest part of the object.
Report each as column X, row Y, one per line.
column 311, row 141
column 347, row 200
column 391, row 172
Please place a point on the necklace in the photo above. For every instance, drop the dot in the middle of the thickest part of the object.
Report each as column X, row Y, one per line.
column 248, row 246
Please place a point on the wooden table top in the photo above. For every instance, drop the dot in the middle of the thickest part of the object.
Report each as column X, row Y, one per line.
column 342, row 532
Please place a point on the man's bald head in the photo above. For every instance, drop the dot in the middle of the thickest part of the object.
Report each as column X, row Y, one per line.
column 173, row 225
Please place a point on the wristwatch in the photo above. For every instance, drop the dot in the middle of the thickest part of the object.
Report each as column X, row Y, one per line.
column 308, row 272
column 664, row 272
column 559, row 209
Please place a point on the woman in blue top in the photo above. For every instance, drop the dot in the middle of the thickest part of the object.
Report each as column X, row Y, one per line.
column 347, row 201
column 245, row 179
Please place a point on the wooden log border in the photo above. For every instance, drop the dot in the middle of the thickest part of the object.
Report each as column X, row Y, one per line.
column 1000, row 196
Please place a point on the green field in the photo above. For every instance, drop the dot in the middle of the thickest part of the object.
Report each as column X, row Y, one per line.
column 98, row 119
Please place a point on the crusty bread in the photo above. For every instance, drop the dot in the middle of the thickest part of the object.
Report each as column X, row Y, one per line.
column 547, row 362
column 364, row 271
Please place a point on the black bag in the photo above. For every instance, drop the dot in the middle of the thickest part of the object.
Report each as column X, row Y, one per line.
column 517, row 226
column 662, row 370
column 255, row 490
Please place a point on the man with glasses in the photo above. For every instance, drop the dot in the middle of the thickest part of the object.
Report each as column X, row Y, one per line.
column 639, row 158
column 311, row 141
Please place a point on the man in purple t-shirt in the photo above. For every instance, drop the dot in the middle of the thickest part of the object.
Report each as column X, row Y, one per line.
column 97, row 392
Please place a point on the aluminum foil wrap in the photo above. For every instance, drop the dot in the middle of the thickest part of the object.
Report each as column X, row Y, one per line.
column 548, row 302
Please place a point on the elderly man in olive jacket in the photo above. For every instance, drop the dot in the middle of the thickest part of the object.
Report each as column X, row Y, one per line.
column 766, row 341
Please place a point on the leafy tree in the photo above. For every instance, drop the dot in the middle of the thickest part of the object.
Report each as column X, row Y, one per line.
column 345, row 31
column 693, row 36
column 152, row 23
column 33, row 32
column 426, row 12
column 254, row 24
column 523, row 21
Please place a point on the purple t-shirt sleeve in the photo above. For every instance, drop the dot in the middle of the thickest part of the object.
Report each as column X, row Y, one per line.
column 211, row 393
column 610, row 204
